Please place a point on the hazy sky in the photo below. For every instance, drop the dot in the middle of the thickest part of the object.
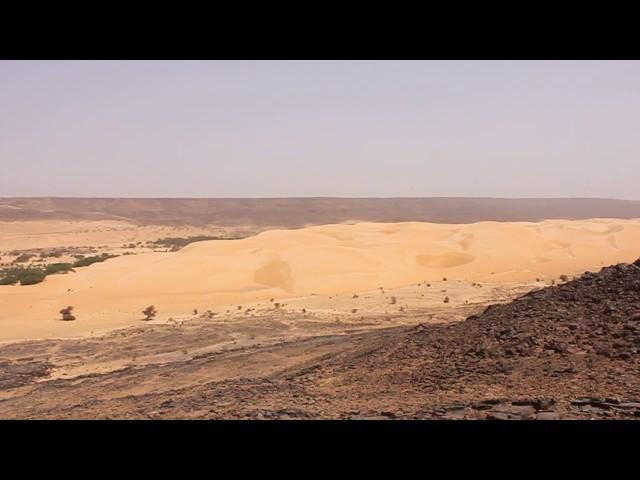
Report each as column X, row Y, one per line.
column 320, row 128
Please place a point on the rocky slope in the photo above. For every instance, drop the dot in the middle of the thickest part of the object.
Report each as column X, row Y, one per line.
column 567, row 351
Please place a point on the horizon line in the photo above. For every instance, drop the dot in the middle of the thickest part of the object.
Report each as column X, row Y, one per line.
column 329, row 197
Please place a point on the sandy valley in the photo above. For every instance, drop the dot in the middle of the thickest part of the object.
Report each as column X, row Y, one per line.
column 250, row 302
column 277, row 266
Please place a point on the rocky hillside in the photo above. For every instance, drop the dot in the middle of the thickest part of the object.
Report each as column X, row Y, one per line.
column 567, row 351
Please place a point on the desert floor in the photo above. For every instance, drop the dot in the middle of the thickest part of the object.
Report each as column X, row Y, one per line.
column 257, row 306
column 330, row 269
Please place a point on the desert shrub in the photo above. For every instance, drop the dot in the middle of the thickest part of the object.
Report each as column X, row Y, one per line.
column 149, row 312
column 53, row 253
column 86, row 261
column 25, row 257
column 176, row 243
column 54, row 268
column 22, row 275
column 66, row 313
column 32, row 276
column 393, row 300
column 446, row 300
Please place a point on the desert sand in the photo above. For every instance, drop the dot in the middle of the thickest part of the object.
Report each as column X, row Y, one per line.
column 90, row 233
column 320, row 261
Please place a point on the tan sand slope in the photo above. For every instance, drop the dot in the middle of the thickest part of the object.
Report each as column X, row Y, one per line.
column 320, row 260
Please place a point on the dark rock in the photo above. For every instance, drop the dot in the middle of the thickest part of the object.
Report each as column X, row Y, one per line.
column 537, row 403
column 499, row 416
column 547, row 416
column 368, row 417
column 628, row 405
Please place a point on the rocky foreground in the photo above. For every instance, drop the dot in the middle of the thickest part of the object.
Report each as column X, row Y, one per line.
column 569, row 351
column 564, row 352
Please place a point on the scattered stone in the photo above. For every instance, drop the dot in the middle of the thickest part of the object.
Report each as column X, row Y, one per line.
column 547, row 416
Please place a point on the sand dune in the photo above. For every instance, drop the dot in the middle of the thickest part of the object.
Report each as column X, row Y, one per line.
column 321, row 260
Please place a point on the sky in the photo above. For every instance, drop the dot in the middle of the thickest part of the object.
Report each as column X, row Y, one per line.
column 320, row 128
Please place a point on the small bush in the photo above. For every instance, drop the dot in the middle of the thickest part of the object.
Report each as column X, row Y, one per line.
column 176, row 243
column 66, row 313
column 25, row 257
column 149, row 312
column 22, row 275
column 446, row 300
column 54, row 268
column 53, row 253
column 86, row 261
column 32, row 276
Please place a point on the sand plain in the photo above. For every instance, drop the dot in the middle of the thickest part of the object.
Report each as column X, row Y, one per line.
column 327, row 268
